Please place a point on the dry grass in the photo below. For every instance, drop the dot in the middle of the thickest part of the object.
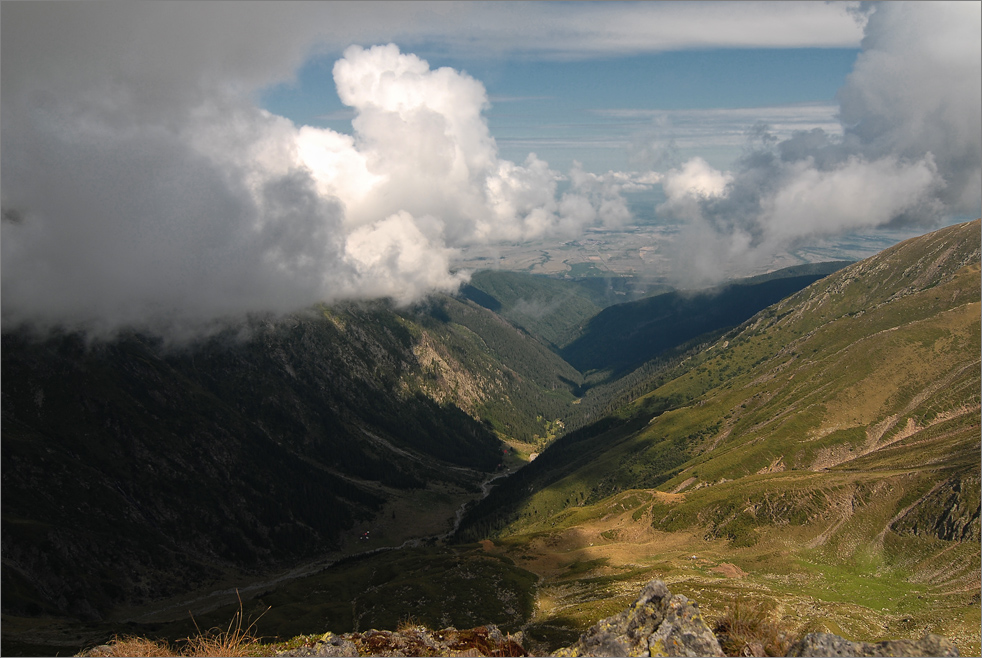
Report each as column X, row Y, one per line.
column 131, row 646
column 746, row 629
column 409, row 623
column 235, row 640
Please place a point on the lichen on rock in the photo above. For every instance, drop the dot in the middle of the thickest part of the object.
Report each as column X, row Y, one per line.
column 826, row 644
column 656, row 624
column 414, row 641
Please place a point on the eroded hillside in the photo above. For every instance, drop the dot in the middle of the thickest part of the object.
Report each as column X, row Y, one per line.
column 827, row 451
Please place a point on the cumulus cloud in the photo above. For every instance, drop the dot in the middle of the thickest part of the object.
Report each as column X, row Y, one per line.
column 695, row 180
column 422, row 146
column 909, row 151
column 157, row 200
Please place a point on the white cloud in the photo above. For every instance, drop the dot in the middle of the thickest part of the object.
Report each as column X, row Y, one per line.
column 575, row 29
column 183, row 216
column 723, row 131
column 394, row 258
column 917, row 89
column 149, row 226
column 696, row 179
column 421, row 145
column 909, row 151
column 856, row 194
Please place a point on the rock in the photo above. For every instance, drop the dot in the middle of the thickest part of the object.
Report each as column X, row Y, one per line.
column 657, row 624
column 826, row 644
column 334, row 645
column 414, row 641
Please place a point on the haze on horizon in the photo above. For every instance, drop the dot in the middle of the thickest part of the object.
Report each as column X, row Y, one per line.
column 173, row 167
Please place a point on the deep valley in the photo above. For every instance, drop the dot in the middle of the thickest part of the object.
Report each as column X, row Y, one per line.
column 527, row 453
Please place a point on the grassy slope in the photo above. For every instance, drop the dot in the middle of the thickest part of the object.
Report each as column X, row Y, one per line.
column 622, row 332
column 622, row 337
column 829, row 449
column 133, row 472
column 486, row 366
column 549, row 308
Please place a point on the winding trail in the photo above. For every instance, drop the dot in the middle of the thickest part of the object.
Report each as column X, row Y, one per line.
column 218, row 598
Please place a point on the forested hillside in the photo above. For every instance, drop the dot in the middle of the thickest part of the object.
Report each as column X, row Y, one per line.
column 134, row 469
column 621, row 338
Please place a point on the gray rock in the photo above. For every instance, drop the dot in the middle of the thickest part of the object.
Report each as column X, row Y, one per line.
column 656, row 624
column 826, row 644
column 683, row 632
column 414, row 641
column 328, row 645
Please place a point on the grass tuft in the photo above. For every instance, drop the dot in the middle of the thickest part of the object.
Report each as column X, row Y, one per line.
column 409, row 623
column 128, row 645
column 233, row 641
column 746, row 629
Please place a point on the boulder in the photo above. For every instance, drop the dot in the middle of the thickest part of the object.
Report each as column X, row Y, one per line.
column 826, row 644
column 656, row 624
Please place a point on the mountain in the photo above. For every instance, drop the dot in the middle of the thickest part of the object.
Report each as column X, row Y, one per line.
column 549, row 308
column 881, row 349
column 825, row 452
column 135, row 470
column 623, row 336
column 831, row 436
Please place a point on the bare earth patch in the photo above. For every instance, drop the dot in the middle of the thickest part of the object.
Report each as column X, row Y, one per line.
column 729, row 570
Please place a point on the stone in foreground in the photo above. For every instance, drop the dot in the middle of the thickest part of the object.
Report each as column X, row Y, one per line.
column 826, row 644
column 415, row 641
column 657, row 624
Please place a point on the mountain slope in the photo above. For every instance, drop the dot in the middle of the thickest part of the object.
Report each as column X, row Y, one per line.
column 623, row 336
column 523, row 386
column 548, row 308
column 874, row 367
column 822, row 459
column 134, row 470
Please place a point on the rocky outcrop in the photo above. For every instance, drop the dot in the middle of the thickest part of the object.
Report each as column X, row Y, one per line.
column 657, row 624
column 826, row 644
column 660, row 624
column 414, row 641
column 950, row 512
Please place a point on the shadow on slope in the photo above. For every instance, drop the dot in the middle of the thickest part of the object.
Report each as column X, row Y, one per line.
column 134, row 472
column 622, row 337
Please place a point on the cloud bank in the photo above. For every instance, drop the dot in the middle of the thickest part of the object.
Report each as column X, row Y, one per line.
column 143, row 187
column 909, row 152
column 171, row 204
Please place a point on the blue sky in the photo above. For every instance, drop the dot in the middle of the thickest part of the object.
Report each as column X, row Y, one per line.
column 173, row 166
column 574, row 109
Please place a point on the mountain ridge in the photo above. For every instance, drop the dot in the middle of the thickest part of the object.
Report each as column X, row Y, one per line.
column 724, row 362
column 333, row 417
column 824, row 452
column 701, row 453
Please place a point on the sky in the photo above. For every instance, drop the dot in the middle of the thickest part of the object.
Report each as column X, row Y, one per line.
column 593, row 110
column 174, row 167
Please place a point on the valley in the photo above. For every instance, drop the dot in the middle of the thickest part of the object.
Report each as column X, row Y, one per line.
column 808, row 440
